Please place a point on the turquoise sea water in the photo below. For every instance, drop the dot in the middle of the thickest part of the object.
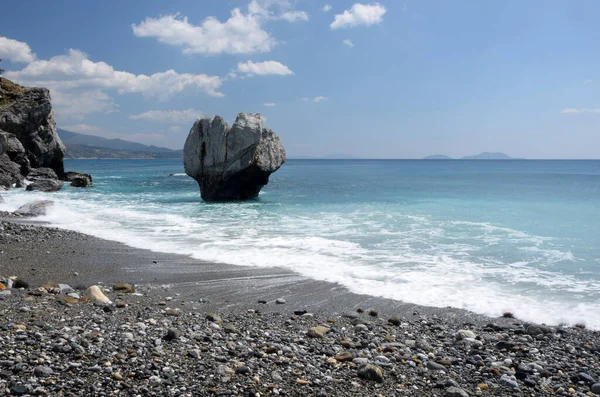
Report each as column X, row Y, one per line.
column 489, row 236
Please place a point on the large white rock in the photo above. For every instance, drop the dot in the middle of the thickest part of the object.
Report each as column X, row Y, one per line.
column 232, row 163
column 95, row 295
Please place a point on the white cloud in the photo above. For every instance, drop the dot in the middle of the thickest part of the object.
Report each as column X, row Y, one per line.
column 75, row 104
column 240, row 34
column 359, row 14
column 326, row 8
column 75, row 70
column 15, row 51
column 578, row 111
column 263, row 68
column 348, row 43
column 174, row 128
column 85, row 129
column 169, row 116
column 293, row 16
column 270, row 104
column 320, row 98
column 264, row 10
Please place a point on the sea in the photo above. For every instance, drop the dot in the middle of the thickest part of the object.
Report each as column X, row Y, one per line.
column 487, row 236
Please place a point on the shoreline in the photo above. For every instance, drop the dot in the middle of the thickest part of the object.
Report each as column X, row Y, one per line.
column 196, row 328
column 194, row 278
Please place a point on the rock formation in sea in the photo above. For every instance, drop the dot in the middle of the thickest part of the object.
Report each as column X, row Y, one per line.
column 232, row 163
column 29, row 143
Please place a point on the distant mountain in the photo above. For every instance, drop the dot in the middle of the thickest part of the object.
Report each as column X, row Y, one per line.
column 90, row 146
column 489, row 156
column 437, row 157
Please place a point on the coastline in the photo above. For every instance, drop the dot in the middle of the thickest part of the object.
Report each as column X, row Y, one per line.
column 64, row 253
column 199, row 328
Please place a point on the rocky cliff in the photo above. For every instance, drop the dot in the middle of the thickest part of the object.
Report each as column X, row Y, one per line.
column 232, row 163
column 28, row 133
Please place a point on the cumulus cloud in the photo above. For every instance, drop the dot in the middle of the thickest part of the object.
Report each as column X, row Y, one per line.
column 269, row 104
column 242, row 33
column 276, row 10
column 326, row 8
column 359, row 14
column 86, row 129
column 168, row 116
column 320, row 98
column 578, row 111
column 348, row 43
column 263, row 68
column 75, row 70
column 76, row 104
column 15, row 51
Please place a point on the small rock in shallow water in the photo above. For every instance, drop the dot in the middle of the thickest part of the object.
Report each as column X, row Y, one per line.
column 371, row 372
column 280, row 301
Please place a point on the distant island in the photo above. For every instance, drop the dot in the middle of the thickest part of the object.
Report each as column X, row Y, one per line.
column 82, row 146
column 480, row 156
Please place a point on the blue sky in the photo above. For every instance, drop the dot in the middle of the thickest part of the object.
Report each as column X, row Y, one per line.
column 387, row 79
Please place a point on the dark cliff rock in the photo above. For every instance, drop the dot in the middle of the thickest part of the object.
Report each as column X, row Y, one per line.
column 27, row 114
column 78, row 179
column 232, row 163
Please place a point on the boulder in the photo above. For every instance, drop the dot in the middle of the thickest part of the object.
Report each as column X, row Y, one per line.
column 35, row 208
column 45, row 185
column 42, row 173
column 77, row 179
column 10, row 173
column 27, row 114
column 15, row 151
column 231, row 163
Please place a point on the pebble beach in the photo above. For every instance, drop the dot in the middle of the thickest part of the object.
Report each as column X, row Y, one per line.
column 166, row 333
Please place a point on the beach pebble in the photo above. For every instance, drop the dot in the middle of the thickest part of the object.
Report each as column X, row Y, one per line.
column 280, row 301
column 370, row 372
column 318, row 331
column 95, row 295
column 464, row 334
column 454, row 391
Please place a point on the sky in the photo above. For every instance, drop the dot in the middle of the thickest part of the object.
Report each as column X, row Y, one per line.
column 387, row 79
